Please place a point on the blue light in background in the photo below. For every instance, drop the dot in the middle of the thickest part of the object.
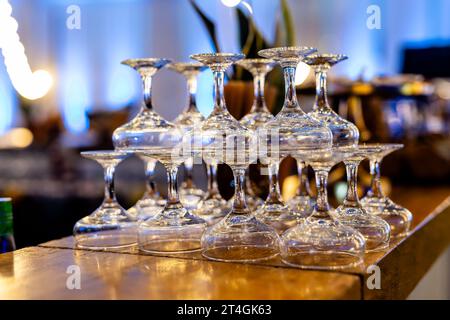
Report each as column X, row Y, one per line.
column 196, row 40
column 205, row 92
column 75, row 100
column 8, row 102
column 119, row 41
column 121, row 87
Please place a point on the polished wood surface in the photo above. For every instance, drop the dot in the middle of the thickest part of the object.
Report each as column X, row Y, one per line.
column 40, row 272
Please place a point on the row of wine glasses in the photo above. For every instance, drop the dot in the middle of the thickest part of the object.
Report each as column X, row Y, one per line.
column 305, row 232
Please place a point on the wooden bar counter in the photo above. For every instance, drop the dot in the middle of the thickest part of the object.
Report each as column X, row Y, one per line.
column 44, row 272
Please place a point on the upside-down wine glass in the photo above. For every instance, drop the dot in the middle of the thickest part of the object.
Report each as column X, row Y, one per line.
column 140, row 131
column 258, row 115
column 351, row 212
column 376, row 202
column 110, row 225
column 345, row 133
column 291, row 123
column 190, row 194
column 321, row 241
column 239, row 236
column 174, row 230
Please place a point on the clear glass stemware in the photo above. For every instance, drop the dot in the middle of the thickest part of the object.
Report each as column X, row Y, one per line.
column 143, row 129
column 321, row 241
column 151, row 202
column 109, row 226
column 259, row 113
column 190, row 194
column 212, row 207
column 174, row 230
column 291, row 130
column 351, row 212
column 140, row 132
column 376, row 202
column 345, row 133
column 239, row 236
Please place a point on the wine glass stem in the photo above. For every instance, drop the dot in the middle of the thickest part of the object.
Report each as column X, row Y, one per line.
column 303, row 186
column 351, row 199
column 239, row 204
column 259, row 104
column 192, row 91
column 321, row 103
column 212, row 180
column 322, row 206
column 188, row 165
column 290, row 93
column 147, row 82
column 150, row 165
column 219, row 99
column 375, row 190
column 274, row 196
column 173, row 198
column 109, row 171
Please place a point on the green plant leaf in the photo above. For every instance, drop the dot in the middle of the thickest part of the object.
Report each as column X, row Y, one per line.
column 209, row 25
column 288, row 23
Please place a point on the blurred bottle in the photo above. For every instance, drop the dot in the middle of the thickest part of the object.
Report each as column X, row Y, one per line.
column 6, row 226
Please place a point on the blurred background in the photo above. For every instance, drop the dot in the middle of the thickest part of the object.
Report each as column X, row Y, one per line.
column 63, row 89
